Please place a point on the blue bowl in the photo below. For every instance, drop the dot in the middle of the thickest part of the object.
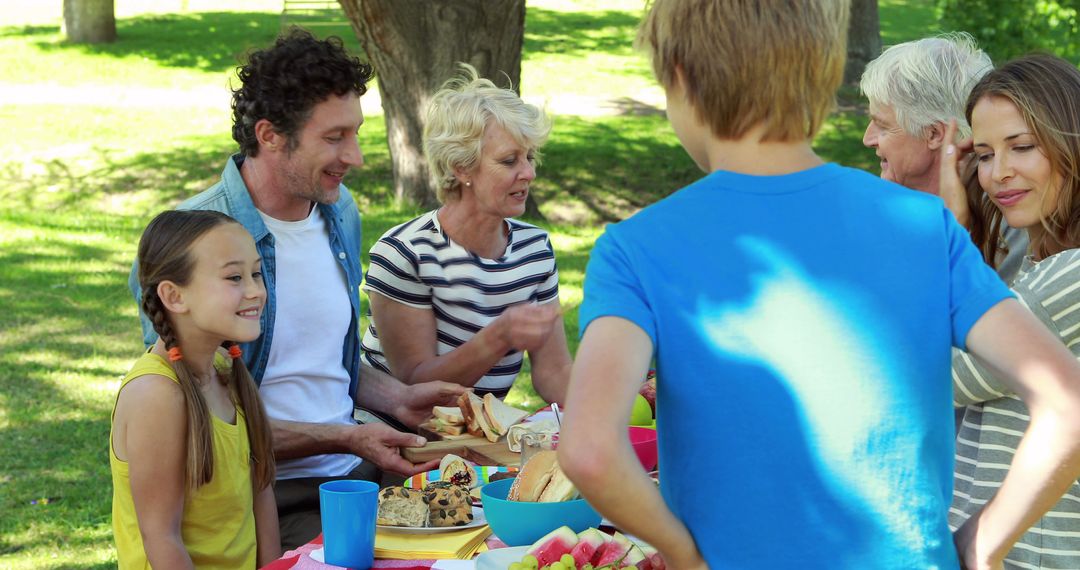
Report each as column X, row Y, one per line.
column 520, row 524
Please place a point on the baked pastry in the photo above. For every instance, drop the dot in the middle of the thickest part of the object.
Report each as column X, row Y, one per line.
column 460, row 516
column 448, row 504
column 443, row 495
column 399, row 506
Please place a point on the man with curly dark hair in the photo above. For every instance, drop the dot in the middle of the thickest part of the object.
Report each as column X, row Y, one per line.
column 296, row 115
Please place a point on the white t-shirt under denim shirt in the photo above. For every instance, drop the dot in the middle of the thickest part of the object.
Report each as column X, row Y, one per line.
column 305, row 379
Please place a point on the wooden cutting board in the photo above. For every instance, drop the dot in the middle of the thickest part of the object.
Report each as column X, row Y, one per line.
column 476, row 449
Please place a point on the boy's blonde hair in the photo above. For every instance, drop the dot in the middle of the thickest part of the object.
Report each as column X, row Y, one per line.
column 459, row 114
column 751, row 62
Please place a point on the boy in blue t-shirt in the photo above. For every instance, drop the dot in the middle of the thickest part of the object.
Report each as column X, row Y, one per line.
column 801, row 315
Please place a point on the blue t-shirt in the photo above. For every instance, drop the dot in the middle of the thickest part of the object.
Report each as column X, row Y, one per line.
column 802, row 327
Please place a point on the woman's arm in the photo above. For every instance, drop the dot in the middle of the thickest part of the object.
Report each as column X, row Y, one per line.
column 410, row 404
column 408, row 339
column 267, row 534
column 551, row 364
column 152, row 411
column 1046, row 376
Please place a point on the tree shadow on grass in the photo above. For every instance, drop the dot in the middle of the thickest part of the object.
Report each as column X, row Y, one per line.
column 605, row 169
column 168, row 173
column 67, row 315
column 577, row 34
column 204, row 41
column 217, row 41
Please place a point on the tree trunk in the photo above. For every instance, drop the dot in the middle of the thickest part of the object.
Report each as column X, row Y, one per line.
column 89, row 21
column 415, row 46
column 864, row 38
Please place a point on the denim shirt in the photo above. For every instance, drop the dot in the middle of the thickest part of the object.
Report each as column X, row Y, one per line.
column 230, row 196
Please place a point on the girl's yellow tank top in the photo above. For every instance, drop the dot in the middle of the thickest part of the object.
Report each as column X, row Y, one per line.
column 218, row 527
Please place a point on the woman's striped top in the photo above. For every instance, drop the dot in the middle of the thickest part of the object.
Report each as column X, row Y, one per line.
column 995, row 419
column 417, row 264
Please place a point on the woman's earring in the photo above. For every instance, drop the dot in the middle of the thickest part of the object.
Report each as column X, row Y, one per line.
column 468, row 183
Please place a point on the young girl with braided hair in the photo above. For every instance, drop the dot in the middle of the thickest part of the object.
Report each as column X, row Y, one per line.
column 191, row 457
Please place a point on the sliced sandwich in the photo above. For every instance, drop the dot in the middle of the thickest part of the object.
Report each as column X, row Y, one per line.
column 500, row 416
column 449, row 415
column 465, row 405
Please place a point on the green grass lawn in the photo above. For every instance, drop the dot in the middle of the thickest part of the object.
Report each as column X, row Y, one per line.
column 81, row 174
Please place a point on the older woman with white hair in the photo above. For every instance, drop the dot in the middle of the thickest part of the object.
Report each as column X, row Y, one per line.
column 462, row 292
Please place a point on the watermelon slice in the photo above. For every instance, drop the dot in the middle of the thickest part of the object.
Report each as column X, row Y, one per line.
column 553, row 545
column 589, row 541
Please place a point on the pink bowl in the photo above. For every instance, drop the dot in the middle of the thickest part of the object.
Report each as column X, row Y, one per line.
column 643, row 440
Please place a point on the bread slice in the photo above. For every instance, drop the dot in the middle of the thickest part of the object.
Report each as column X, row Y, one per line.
column 481, row 418
column 476, row 410
column 449, row 415
column 466, row 407
column 399, row 506
column 500, row 416
column 445, row 428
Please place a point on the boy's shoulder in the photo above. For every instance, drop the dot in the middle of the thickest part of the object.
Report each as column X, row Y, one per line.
column 720, row 192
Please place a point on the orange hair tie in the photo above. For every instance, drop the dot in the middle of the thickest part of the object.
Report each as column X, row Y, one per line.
column 174, row 354
column 235, row 352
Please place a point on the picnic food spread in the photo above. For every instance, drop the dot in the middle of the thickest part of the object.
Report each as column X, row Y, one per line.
column 442, row 503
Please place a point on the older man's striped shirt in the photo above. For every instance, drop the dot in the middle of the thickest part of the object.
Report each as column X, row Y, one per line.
column 995, row 419
column 418, row 265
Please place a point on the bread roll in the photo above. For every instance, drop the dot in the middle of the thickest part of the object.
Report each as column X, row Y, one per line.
column 399, row 506
column 542, row 480
column 449, row 505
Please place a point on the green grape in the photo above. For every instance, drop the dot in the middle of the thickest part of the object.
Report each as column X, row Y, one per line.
column 568, row 561
column 587, row 566
column 558, row 566
column 530, row 561
column 516, row 566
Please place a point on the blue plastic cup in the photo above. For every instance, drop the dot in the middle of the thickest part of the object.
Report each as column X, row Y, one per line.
column 348, row 511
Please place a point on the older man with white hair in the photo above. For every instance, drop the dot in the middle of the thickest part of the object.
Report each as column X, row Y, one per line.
column 915, row 89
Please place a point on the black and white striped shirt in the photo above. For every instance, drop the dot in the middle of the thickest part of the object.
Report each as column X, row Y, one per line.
column 995, row 420
column 417, row 264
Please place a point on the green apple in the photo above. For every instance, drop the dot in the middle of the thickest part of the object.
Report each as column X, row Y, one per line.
column 641, row 414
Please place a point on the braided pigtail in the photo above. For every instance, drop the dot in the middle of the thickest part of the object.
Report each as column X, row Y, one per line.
column 258, row 425
column 199, row 468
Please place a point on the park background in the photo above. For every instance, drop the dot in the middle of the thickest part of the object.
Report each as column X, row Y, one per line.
column 99, row 138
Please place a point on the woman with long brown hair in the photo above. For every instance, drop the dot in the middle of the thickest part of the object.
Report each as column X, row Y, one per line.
column 1025, row 119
